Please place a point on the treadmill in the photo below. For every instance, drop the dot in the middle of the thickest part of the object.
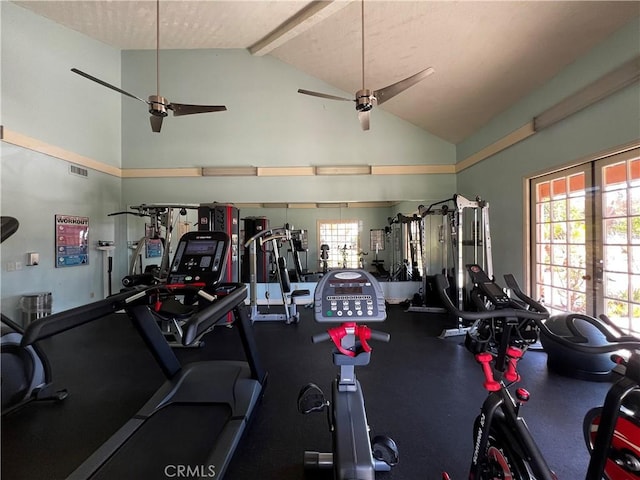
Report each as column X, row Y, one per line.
column 192, row 425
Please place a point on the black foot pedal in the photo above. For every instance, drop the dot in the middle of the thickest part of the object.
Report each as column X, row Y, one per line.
column 60, row 395
column 385, row 450
column 311, row 399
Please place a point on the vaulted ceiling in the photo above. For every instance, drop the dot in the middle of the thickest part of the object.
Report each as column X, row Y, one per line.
column 486, row 54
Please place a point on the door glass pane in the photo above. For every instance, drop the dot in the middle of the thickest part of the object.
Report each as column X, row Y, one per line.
column 615, row 231
column 634, row 232
column 560, row 242
column 620, row 184
column 587, row 259
column 577, row 256
column 615, row 174
column 615, row 203
column 615, row 258
column 576, row 232
column 559, row 210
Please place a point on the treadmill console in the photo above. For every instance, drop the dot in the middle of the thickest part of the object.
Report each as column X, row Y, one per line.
column 200, row 258
column 349, row 296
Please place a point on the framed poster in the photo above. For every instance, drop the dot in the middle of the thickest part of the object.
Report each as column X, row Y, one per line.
column 72, row 240
column 153, row 248
column 152, row 242
column 376, row 239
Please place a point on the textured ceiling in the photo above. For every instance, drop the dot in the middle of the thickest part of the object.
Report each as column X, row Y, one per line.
column 487, row 55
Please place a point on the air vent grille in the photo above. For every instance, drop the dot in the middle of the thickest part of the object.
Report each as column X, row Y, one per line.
column 79, row 171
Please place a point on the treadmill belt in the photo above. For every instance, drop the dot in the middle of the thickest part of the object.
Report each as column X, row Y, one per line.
column 176, row 437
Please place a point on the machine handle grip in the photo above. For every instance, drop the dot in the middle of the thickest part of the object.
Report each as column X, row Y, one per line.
column 616, row 338
column 442, row 284
column 375, row 335
column 320, row 337
column 380, row 336
column 511, row 282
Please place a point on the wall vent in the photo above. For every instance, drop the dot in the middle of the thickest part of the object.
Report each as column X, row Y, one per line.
column 81, row 172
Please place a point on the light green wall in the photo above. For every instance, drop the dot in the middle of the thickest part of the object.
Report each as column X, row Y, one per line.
column 611, row 122
column 268, row 124
column 42, row 99
column 34, row 189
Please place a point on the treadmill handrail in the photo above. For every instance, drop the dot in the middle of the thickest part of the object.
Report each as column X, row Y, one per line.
column 51, row 325
column 206, row 318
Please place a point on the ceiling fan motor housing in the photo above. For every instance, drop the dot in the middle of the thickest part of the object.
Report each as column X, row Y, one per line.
column 364, row 100
column 158, row 105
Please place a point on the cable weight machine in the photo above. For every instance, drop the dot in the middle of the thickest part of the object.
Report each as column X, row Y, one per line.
column 290, row 299
column 162, row 222
column 478, row 247
column 463, row 236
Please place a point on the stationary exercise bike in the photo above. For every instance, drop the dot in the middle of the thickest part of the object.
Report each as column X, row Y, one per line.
column 348, row 297
column 503, row 445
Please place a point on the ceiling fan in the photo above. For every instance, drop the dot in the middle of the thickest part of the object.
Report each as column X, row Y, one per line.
column 365, row 98
column 158, row 105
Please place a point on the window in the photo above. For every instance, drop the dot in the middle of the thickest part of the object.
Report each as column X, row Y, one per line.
column 619, row 248
column 343, row 239
column 560, row 228
column 586, row 236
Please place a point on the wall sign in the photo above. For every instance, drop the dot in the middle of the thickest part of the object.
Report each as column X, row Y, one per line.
column 72, row 241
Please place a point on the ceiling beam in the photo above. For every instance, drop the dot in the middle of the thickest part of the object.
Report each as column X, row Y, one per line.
column 313, row 13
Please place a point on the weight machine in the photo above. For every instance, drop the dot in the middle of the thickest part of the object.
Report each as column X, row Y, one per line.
column 462, row 236
column 172, row 313
column 438, row 251
column 162, row 222
column 413, row 271
column 478, row 246
column 398, row 270
column 290, row 299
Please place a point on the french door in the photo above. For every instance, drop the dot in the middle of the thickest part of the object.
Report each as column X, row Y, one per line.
column 586, row 236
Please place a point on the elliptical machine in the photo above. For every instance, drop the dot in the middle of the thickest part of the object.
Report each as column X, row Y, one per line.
column 26, row 374
column 348, row 297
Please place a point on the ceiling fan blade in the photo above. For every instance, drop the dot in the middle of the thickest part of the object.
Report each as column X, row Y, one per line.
column 391, row 91
column 183, row 109
column 156, row 123
column 105, row 84
column 363, row 116
column 325, row 95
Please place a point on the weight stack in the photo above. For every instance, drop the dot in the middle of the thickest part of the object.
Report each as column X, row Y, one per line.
column 252, row 226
